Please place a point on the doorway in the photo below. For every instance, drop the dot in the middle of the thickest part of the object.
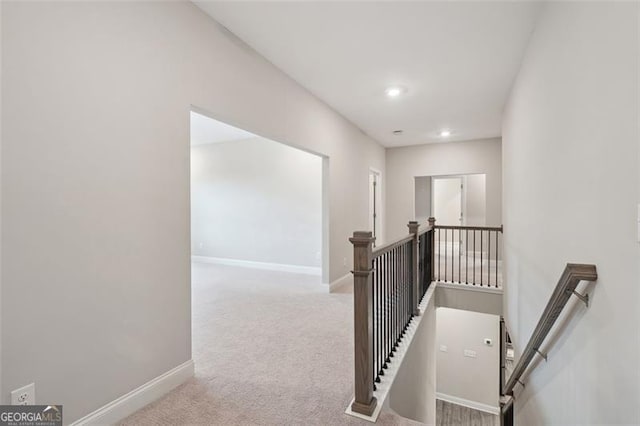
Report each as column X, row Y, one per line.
column 256, row 203
column 452, row 199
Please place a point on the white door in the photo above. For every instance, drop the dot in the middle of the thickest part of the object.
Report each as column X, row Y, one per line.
column 447, row 200
column 447, row 209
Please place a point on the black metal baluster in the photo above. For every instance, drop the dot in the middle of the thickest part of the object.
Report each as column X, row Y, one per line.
column 407, row 272
column 380, row 317
column 391, row 307
column 396, row 269
column 458, row 241
column 489, row 259
column 383, row 314
column 453, row 255
column 466, row 257
column 390, row 303
column 389, row 329
column 377, row 311
column 453, row 258
column 481, row 256
column 386, row 309
column 421, row 260
column 399, row 284
column 393, row 303
column 409, row 283
column 383, row 283
column 497, row 236
column 373, row 340
column 445, row 255
column 406, row 288
column 403, row 272
column 474, row 257
column 439, row 244
column 396, row 299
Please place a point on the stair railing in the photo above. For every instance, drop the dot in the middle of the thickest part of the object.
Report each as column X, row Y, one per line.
column 566, row 287
column 388, row 285
column 468, row 255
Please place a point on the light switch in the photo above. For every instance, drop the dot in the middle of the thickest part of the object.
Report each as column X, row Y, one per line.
column 469, row 353
column 443, row 348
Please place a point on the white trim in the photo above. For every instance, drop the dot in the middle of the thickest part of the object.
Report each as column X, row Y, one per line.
column 382, row 389
column 128, row 404
column 344, row 281
column 467, row 403
column 470, row 287
column 308, row 270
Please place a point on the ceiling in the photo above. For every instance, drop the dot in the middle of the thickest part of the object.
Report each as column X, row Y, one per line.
column 206, row 130
column 456, row 60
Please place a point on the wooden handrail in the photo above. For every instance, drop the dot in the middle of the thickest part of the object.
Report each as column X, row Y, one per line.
column 566, row 287
column 424, row 229
column 379, row 251
column 471, row 228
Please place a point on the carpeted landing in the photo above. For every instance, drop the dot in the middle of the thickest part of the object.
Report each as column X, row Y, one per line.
column 270, row 348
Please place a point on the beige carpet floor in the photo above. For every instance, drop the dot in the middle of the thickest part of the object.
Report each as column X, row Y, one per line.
column 270, row 348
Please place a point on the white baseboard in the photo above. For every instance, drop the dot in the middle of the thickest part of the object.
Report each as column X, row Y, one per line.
column 470, row 287
column 344, row 281
column 470, row 404
column 307, row 270
column 128, row 404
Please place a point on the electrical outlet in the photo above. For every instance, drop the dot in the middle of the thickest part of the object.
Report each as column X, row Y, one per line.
column 26, row 395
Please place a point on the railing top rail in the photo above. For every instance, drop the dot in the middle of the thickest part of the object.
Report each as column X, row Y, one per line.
column 425, row 228
column 470, row 228
column 572, row 275
column 379, row 251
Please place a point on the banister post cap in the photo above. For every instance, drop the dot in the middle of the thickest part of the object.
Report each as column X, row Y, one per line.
column 432, row 221
column 413, row 226
column 362, row 238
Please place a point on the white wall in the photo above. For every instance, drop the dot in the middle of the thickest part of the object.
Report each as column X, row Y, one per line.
column 570, row 145
column 453, row 158
column 423, row 198
column 256, row 200
column 474, row 200
column 95, row 184
column 475, row 380
column 413, row 392
column 1, row 136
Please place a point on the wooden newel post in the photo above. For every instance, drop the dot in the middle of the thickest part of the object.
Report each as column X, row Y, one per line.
column 432, row 251
column 364, row 402
column 415, row 270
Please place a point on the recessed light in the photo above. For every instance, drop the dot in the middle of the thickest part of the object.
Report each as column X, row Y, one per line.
column 394, row 91
column 445, row 133
column 397, row 132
